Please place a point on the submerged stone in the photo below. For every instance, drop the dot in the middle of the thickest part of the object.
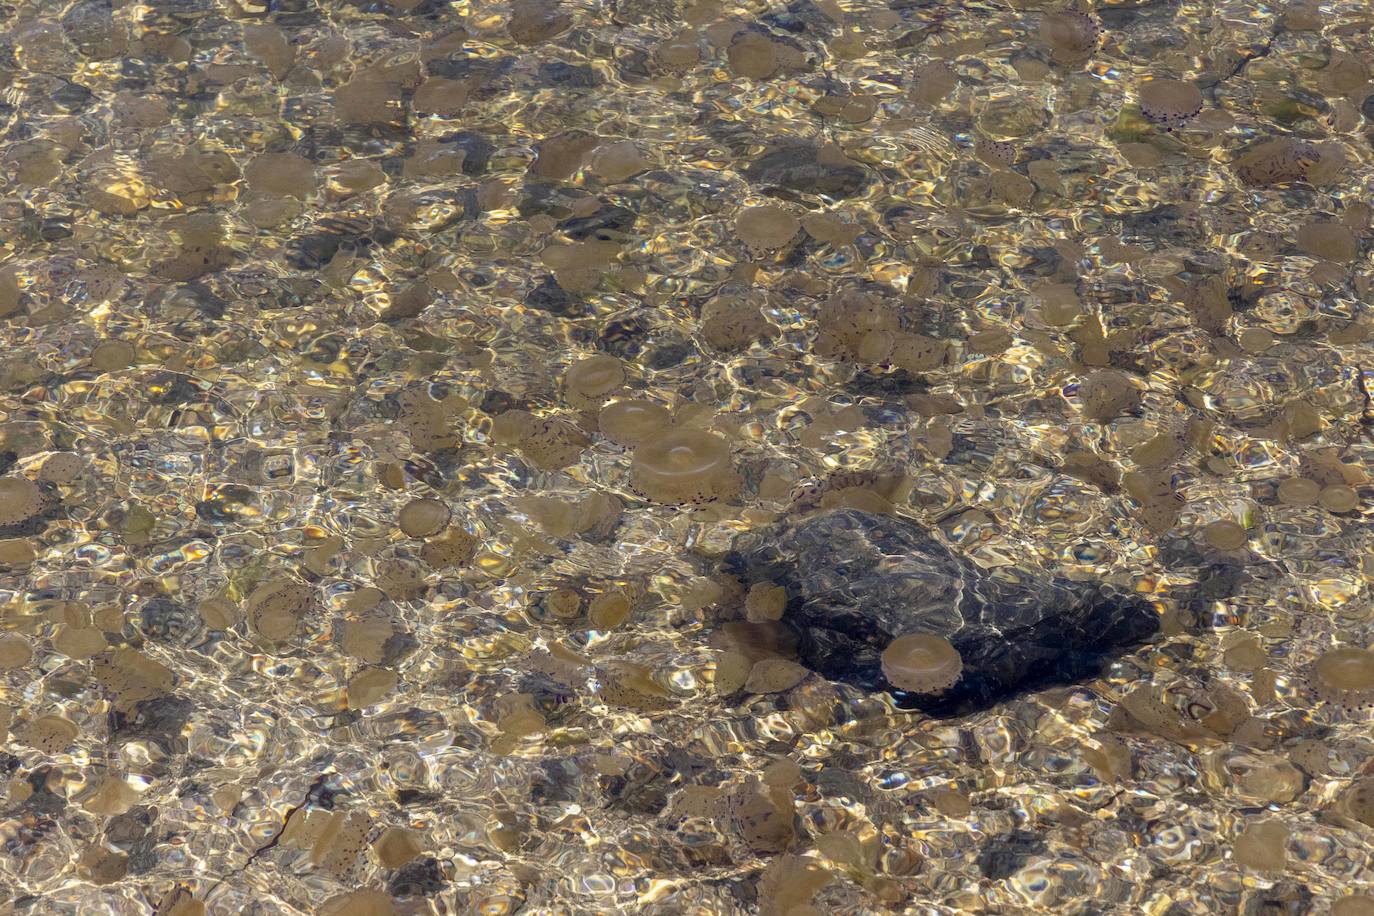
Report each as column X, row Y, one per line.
column 856, row 581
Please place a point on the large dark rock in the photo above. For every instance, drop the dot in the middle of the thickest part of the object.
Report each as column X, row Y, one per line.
column 856, row 580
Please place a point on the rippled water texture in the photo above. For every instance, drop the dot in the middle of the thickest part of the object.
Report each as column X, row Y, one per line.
column 382, row 385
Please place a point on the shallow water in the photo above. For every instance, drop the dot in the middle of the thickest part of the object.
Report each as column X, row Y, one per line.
column 273, row 271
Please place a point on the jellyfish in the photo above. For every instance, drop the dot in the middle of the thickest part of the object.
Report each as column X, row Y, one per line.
column 922, row 663
column 553, row 443
column 589, row 382
column 22, row 503
column 766, row 228
column 1276, row 161
column 628, row 423
column 1072, row 35
column 423, row 518
column 1170, row 103
column 995, row 153
column 1344, row 677
column 684, row 466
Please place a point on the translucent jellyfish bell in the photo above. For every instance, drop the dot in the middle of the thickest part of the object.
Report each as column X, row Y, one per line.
column 21, row 501
column 684, row 466
column 1071, row 35
column 922, row 663
column 1170, row 103
column 1345, row 677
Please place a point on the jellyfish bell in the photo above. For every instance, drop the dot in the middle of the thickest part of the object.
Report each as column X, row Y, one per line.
column 1353, row 905
column 1358, row 801
column 1170, row 103
column 630, row 422
column 1276, row 161
column 1344, row 677
column 995, row 153
column 20, row 500
column 1071, row 35
column 767, row 227
column 922, row 663
column 23, row 505
column 591, row 381
column 422, row 518
column 684, row 466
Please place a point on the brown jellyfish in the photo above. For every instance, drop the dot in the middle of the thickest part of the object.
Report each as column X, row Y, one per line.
column 1328, row 239
column 455, row 548
column 774, row 675
column 766, row 228
column 553, row 443
column 22, row 505
column 1170, row 103
column 995, row 153
column 684, row 466
column 279, row 607
column 1353, row 905
column 1071, row 35
column 854, row 322
column 511, row 427
column 629, row 423
column 933, row 82
column 1344, row 677
column 589, row 382
column 922, row 663
column 731, row 323
column 873, row 490
column 1225, row 535
column 423, row 518
column 1276, row 161
column 1358, row 800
